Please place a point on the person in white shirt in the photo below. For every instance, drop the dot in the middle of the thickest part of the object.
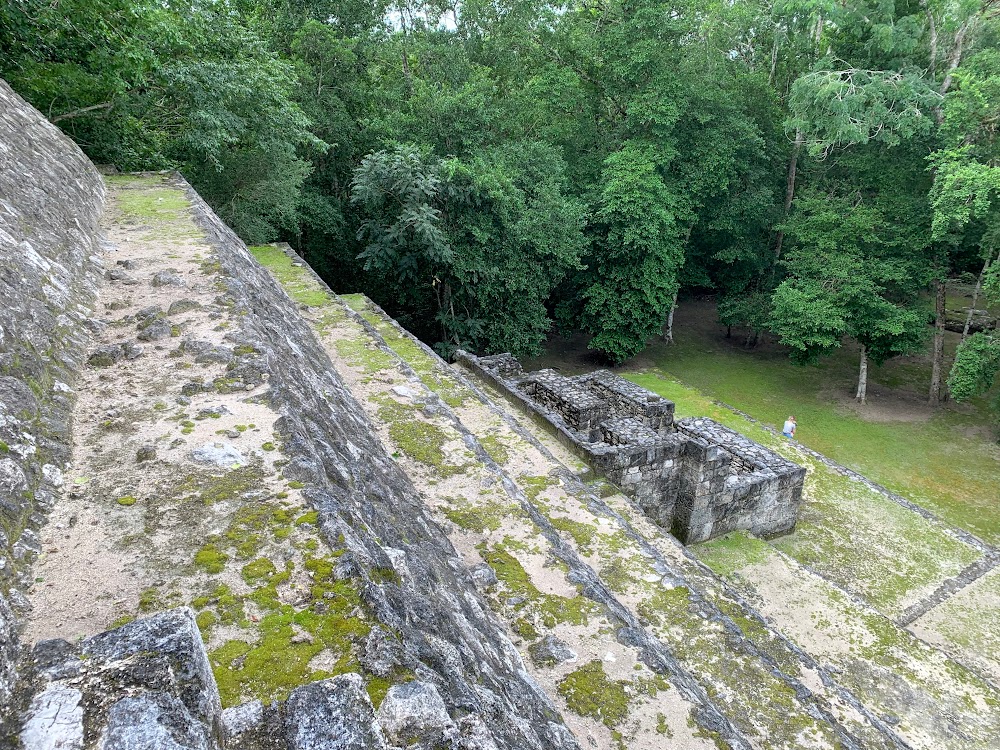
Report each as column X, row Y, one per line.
column 788, row 430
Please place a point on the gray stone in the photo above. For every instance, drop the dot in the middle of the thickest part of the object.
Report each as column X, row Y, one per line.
column 215, row 355
column 219, row 454
column 239, row 721
column 116, row 274
column 382, row 653
column 153, row 721
column 484, row 576
column 105, row 356
column 55, row 720
column 128, row 264
column 158, row 330
column 334, row 714
column 145, row 453
column 148, row 314
column 167, row 278
column 415, row 712
column 132, row 350
column 194, row 387
column 182, row 306
column 550, row 651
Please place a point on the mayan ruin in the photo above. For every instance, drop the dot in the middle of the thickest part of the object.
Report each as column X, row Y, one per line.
column 240, row 511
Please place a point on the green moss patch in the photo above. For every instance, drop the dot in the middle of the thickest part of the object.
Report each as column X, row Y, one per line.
column 496, row 448
column 550, row 609
column 420, row 440
column 152, row 202
column 590, row 692
column 211, row 559
column 212, row 487
column 363, row 355
column 296, row 280
column 289, row 639
column 480, row 516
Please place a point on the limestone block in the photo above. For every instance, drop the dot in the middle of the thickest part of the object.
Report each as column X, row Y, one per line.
column 335, row 713
column 415, row 712
column 55, row 720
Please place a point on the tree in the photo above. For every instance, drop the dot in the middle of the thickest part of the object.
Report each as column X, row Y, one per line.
column 633, row 273
column 843, row 284
column 481, row 242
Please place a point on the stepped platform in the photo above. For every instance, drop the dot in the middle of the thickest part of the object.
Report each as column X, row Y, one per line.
column 281, row 521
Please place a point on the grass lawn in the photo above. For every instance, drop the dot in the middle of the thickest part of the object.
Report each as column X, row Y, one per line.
column 945, row 459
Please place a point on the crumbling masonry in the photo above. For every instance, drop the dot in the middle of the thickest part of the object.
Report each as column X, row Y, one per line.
column 694, row 477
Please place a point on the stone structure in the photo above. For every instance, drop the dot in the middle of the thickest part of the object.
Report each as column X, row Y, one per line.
column 693, row 476
column 51, row 199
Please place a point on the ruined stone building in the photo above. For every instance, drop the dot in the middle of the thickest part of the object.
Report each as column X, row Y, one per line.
column 694, row 477
column 239, row 511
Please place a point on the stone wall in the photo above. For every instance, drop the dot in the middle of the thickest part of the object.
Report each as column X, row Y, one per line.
column 693, row 477
column 51, row 198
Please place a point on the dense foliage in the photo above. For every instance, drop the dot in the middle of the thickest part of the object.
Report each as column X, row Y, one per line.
column 486, row 169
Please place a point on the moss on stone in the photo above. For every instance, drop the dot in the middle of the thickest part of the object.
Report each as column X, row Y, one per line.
column 210, row 558
column 550, row 609
column 496, row 448
column 152, row 203
column 277, row 662
column 363, row 355
column 260, row 568
column 123, row 620
column 590, row 692
column 535, row 486
column 206, row 620
column 211, row 487
column 310, row 517
column 582, row 533
column 420, row 440
column 481, row 516
column 298, row 283
column 149, row 600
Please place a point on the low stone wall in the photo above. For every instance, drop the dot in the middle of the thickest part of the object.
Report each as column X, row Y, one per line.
column 694, row 477
column 51, row 199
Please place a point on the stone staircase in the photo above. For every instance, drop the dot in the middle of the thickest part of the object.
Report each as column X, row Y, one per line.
column 596, row 596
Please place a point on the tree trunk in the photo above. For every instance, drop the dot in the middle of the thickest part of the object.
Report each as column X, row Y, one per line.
column 975, row 294
column 862, row 394
column 937, row 363
column 668, row 335
column 793, row 162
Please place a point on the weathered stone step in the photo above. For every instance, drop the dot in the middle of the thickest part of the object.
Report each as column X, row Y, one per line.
column 220, row 463
column 536, row 590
